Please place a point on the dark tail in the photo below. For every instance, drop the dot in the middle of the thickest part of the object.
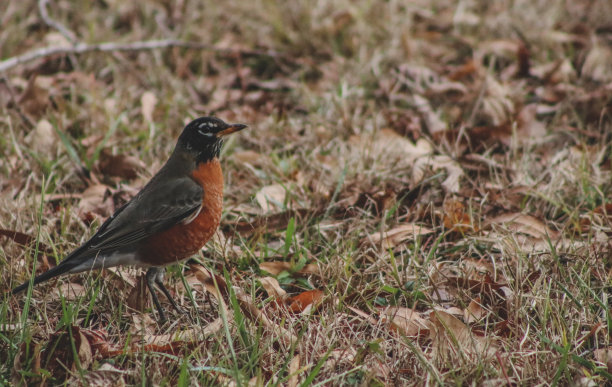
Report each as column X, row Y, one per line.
column 60, row 269
column 69, row 263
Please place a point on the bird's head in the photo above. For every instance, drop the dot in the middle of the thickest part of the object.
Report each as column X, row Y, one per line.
column 204, row 136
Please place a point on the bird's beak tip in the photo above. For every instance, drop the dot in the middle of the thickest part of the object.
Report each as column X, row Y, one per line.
column 233, row 128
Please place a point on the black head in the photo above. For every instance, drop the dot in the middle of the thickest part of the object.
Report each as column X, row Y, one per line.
column 204, row 137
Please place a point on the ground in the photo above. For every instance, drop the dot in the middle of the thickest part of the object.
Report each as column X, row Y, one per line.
column 422, row 196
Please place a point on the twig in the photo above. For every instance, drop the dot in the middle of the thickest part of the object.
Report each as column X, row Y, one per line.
column 42, row 9
column 82, row 48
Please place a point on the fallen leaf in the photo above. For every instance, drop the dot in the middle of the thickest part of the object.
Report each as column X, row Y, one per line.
column 406, row 321
column 248, row 156
column 454, row 172
column 271, row 198
column 522, row 223
column 272, row 287
column 70, row 290
column 474, row 312
column 277, row 267
column 299, row 303
column 598, row 63
column 397, row 235
column 24, row 240
column 58, row 355
column 97, row 201
column 294, row 368
column 456, row 217
column 43, row 139
column 138, row 296
column 34, row 99
column 604, row 356
column 449, row 335
column 106, row 376
column 125, row 167
column 148, row 100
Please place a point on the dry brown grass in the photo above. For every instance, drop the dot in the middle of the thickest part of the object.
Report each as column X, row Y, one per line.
column 446, row 165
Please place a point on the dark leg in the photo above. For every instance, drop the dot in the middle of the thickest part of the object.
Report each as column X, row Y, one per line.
column 159, row 281
column 151, row 281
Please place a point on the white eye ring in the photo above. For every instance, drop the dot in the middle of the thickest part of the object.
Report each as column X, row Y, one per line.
column 207, row 134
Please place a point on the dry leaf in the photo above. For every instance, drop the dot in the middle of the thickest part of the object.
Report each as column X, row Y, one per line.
column 271, row 198
column 70, row 290
column 105, row 376
column 35, row 98
column 272, row 287
column 526, row 224
column 43, row 139
column 456, row 217
column 96, row 200
column 397, row 235
column 59, row 354
column 138, row 296
column 248, row 156
column 449, row 335
column 598, row 63
column 454, row 172
column 406, row 321
column 277, row 267
column 474, row 312
column 294, row 368
column 300, row 303
column 148, row 100
column 604, row 356
column 125, row 167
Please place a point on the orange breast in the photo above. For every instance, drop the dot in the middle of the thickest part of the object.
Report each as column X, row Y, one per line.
column 184, row 240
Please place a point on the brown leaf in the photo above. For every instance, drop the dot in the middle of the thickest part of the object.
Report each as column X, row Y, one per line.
column 211, row 283
column 43, row 139
column 138, row 297
column 273, row 222
column 456, row 217
column 272, row 287
column 277, row 267
column 406, row 321
column 148, row 100
column 299, row 303
column 526, row 224
column 604, row 356
column 397, row 235
column 125, row 167
column 34, row 99
column 474, row 311
column 294, row 368
column 105, row 376
column 271, row 198
column 96, row 201
column 248, row 156
column 70, row 290
column 24, row 240
column 58, row 355
column 449, row 335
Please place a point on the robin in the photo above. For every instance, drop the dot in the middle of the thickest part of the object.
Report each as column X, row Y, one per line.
column 169, row 220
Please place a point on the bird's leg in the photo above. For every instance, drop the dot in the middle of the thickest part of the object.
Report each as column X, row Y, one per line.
column 151, row 282
column 159, row 281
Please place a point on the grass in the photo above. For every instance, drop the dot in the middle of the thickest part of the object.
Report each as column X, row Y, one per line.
column 378, row 119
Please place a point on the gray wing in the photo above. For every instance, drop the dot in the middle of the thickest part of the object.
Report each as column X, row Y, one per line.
column 150, row 212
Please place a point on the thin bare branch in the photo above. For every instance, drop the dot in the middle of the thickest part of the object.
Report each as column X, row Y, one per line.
column 82, row 48
column 42, row 9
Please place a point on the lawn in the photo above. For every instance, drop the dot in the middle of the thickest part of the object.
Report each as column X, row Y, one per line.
column 422, row 197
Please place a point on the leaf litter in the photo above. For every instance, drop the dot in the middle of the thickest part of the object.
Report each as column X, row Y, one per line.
column 447, row 194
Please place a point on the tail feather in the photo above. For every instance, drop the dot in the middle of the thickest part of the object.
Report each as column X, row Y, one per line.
column 70, row 262
column 60, row 269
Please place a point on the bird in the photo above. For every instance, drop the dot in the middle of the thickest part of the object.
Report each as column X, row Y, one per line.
column 170, row 219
